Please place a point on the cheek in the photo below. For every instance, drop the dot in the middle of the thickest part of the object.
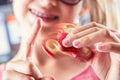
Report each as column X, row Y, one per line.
column 20, row 8
column 69, row 14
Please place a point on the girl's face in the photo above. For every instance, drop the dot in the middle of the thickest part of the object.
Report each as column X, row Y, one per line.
column 50, row 11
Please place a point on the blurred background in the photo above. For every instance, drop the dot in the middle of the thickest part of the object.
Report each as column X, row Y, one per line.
column 9, row 32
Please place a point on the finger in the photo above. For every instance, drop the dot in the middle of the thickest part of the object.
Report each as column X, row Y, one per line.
column 86, row 30
column 108, row 47
column 84, row 27
column 103, row 26
column 67, row 42
column 103, row 35
column 13, row 75
column 88, row 40
column 114, row 36
column 81, row 28
column 31, row 38
column 25, row 67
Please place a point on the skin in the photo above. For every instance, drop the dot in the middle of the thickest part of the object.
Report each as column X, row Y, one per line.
column 34, row 61
column 107, row 54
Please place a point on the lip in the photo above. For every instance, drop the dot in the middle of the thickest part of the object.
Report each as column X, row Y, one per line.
column 46, row 16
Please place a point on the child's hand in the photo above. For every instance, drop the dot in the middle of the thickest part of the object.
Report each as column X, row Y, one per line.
column 22, row 68
column 103, row 41
column 54, row 47
column 90, row 35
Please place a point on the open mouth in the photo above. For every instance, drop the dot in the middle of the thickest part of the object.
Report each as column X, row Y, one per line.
column 44, row 16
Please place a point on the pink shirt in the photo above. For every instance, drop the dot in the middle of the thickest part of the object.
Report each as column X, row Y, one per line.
column 2, row 67
column 87, row 74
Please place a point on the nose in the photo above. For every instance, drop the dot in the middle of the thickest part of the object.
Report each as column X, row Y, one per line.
column 48, row 3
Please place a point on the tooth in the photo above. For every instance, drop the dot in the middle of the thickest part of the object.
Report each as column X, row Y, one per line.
column 41, row 14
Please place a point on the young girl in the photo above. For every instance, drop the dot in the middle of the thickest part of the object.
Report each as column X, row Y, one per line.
column 39, row 19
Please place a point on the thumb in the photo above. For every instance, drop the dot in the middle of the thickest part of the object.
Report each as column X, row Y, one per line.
column 31, row 38
column 108, row 47
column 36, row 28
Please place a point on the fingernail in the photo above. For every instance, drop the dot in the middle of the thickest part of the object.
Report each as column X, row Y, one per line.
column 66, row 42
column 76, row 43
column 99, row 47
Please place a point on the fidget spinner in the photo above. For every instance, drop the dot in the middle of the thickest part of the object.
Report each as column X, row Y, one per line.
column 54, row 47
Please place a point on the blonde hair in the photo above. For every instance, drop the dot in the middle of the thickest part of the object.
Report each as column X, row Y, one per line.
column 106, row 12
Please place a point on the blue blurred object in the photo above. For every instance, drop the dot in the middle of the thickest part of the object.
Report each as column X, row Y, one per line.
column 85, row 18
column 4, row 40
